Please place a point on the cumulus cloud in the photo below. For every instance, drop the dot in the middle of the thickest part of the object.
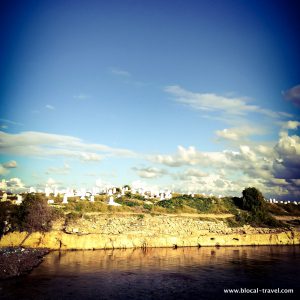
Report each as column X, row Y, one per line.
column 287, row 164
column 4, row 168
column 15, row 185
column 291, row 125
column 273, row 169
column 293, row 95
column 189, row 174
column 40, row 144
column 238, row 134
column 10, row 164
column 65, row 169
column 149, row 172
column 210, row 102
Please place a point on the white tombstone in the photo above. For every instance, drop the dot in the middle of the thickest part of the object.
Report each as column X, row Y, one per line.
column 95, row 190
column 4, row 197
column 92, row 199
column 32, row 190
column 110, row 192
column 162, row 196
column 82, row 198
column 169, row 196
column 47, row 192
column 123, row 192
column 192, row 195
column 119, row 196
column 19, row 199
column 50, row 201
column 112, row 202
column 65, row 200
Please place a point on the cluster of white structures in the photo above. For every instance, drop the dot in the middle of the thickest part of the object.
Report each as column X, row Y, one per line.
column 281, row 202
column 113, row 193
column 84, row 194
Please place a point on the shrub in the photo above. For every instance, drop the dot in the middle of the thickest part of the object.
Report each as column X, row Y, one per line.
column 34, row 214
column 7, row 217
column 126, row 202
column 147, row 207
column 253, row 201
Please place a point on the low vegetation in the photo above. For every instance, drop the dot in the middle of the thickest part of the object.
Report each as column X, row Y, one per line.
column 35, row 214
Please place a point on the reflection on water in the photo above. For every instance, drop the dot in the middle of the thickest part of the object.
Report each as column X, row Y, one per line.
column 183, row 273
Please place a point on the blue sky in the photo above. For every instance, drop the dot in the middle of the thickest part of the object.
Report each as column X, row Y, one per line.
column 196, row 96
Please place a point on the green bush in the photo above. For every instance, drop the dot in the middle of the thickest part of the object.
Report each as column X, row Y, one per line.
column 253, row 202
column 147, row 207
column 126, row 202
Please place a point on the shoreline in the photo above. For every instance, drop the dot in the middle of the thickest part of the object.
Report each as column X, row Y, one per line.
column 58, row 240
column 147, row 231
column 18, row 261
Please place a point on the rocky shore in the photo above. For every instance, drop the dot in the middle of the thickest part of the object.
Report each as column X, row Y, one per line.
column 145, row 231
column 18, row 261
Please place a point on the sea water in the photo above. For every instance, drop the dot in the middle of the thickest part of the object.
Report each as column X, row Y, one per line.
column 269, row 272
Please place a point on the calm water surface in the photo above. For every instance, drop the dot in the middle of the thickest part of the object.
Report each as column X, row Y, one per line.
column 183, row 273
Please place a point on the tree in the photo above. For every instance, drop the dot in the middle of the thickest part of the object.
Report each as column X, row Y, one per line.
column 253, row 200
column 35, row 214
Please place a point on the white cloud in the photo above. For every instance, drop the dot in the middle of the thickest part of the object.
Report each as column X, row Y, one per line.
column 140, row 184
column 11, row 122
column 119, row 72
column 50, row 107
column 287, row 164
column 51, row 182
column 239, row 133
column 3, row 170
column 81, row 96
column 10, row 164
column 15, row 185
column 65, row 169
column 273, row 169
column 150, row 172
column 40, row 144
column 293, row 95
column 210, row 102
column 291, row 125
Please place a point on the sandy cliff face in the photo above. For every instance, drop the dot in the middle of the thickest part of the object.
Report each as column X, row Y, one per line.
column 111, row 231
